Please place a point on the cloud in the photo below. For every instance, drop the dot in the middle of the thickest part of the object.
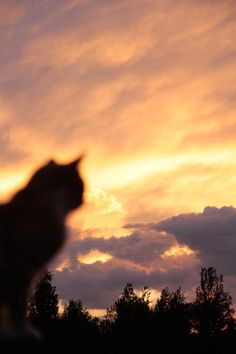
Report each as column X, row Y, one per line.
column 211, row 233
column 212, row 221
column 181, row 190
column 10, row 154
column 87, row 76
column 107, row 204
column 138, row 258
column 72, row 78
column 150, row 98
column 99, row 286
column 169, row 252
column 141, row 247
column 12, row 12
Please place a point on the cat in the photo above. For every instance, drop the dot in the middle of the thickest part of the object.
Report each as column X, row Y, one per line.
column 32, row 231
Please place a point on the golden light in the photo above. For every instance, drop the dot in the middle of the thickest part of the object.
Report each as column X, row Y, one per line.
column 9, row 184
column 63, row 265
column 101, row 215
column 97, row 312
column 106, row 203
column 123, row 173
column 94, row 256
column 178, row 251
column 153, row 296
column 61, row 306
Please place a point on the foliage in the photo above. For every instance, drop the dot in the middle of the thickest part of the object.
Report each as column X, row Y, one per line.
column 133, row 326
column 213, row 312
column 169, row 301
column 130, row 304
column 130, row 318
column 171, row 319
column 79, row 329
column 43, row 306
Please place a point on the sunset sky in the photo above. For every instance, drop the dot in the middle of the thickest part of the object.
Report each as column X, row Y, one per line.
column 146, row 89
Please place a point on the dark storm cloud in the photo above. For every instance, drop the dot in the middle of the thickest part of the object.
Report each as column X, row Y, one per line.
column 211, row 229
column 98, row 285
column 136, row 259
column 212, row 233
column 141, row 247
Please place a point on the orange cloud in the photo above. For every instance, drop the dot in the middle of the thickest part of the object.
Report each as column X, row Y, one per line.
column 64, row 264
column 94, row 256
column 178, row 251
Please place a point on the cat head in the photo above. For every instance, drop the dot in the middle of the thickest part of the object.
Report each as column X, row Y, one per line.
column 59, row 183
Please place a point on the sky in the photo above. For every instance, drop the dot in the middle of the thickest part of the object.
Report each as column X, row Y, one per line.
column 145, row 89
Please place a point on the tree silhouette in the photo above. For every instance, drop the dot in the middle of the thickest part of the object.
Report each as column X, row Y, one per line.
column 171, row 319
column 79, row 329
column 130, row 316
column 43, row 306
column 133, row 326
column 213, row 312
column 43, row 311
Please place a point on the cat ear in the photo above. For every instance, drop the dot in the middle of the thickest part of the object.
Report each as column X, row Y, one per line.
column 76, row 162
column 51, row 163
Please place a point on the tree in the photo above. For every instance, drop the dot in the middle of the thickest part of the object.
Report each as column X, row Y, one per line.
column 171, row 319
column 43, row 305
column 43, row 310
column 79, row 329
column 213, row 312
column 74, row 313
column 130, row 319
column 130, row 306
column 169, row 300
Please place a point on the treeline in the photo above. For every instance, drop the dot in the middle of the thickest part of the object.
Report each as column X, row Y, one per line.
column 132, row 325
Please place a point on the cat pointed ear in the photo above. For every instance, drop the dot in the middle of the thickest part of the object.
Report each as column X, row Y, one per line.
column 76, row 162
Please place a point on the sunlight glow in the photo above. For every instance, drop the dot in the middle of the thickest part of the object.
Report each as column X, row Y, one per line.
column 107, row 203
column 178, row 251
column 10, row 183
column 126, row 172
column 97, row 312
column 63, row 265
column 94, row 256
column 154, row 295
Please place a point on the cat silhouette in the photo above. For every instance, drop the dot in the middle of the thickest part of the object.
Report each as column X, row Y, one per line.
column 32, row 231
